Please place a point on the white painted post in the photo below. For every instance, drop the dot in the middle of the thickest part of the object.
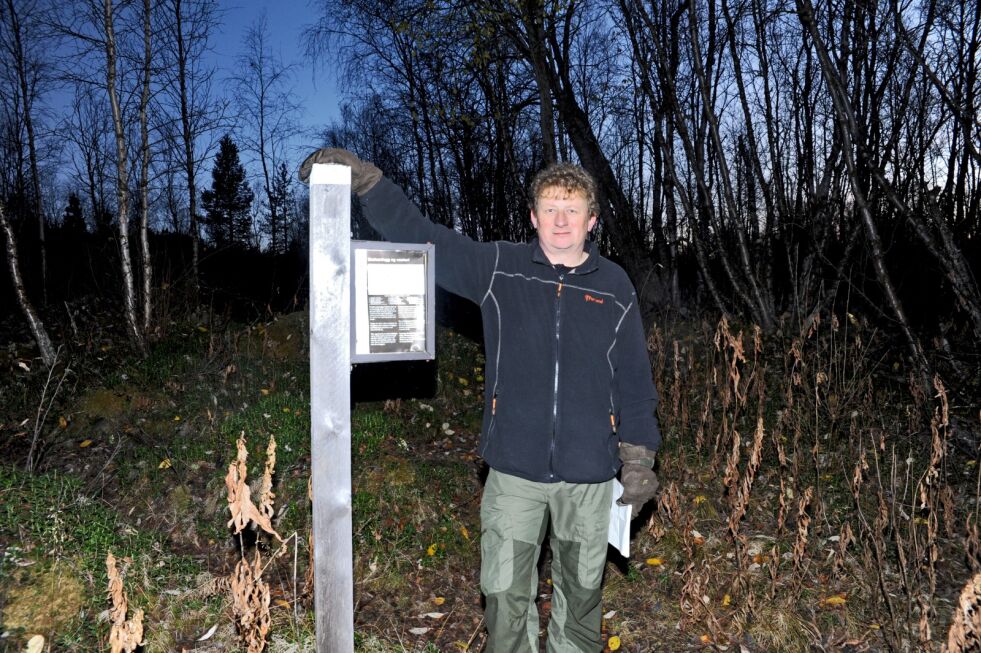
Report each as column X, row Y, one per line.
column 330, row 406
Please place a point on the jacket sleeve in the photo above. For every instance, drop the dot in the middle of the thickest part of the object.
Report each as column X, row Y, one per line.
column 635, row 385
column 463, row 266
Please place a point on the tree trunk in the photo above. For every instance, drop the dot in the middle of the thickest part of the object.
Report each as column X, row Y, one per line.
column 122, row 192
column 37, row 327
column 846, row 125
column 145, row 174
column 539, row 66
column 762, row 307
column 20, row 62
column 187, row 136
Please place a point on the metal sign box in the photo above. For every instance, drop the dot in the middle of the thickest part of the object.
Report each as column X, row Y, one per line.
column 393, row 300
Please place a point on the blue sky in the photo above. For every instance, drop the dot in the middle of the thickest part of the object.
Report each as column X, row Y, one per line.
column 286, row 19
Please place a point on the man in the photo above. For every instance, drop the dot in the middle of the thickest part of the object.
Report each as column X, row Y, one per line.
column 568, row 396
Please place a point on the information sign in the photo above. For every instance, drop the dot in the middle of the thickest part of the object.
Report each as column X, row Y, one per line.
column 393, row 302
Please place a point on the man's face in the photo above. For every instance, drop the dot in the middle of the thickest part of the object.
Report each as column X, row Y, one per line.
column 562, row 221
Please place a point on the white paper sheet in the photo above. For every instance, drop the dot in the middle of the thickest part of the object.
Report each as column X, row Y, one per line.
column 619, row 534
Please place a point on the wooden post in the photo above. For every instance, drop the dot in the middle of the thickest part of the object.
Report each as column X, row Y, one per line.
column 330, row 406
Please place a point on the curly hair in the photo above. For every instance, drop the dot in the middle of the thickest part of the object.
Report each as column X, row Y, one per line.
column 569, row 177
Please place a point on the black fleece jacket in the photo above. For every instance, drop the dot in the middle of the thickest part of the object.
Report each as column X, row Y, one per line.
column 568, row 376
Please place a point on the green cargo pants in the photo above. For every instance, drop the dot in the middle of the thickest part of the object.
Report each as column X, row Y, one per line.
column 514, row 517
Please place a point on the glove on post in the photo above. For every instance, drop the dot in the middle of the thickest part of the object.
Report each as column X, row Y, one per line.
column 637, row 476
column 364, row 174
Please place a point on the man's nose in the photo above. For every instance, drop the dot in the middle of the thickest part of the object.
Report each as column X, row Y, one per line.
column 561, row 218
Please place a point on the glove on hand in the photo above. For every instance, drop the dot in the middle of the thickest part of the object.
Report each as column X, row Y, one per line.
column 637, row 476
column 364, row 174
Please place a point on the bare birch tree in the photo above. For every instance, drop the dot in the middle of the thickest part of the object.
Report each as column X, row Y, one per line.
column 144, row 188
column 33, row 319
column 26, row 69
column 122, row 174
column 267, row 109
column 187, row 88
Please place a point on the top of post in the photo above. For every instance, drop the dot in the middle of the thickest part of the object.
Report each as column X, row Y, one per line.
column 331, row 174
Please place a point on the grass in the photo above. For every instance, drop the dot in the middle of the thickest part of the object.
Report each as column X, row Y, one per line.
column 64, row 533
column 416, row 492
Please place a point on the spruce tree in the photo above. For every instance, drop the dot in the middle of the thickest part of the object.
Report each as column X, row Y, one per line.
column 282, row 209
column 227, row 203
column 73, row 221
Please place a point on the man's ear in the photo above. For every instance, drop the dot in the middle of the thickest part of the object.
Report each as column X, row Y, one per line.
column 592, row 223
column 534, row 219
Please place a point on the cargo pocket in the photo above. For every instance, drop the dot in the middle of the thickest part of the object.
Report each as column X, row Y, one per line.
column 496, row 549
column 592, row 532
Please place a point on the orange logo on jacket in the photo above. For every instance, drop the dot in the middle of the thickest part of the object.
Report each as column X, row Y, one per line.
column 590, row 298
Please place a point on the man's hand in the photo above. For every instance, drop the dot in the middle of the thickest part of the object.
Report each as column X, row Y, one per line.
column 364, row 174
column 637, row 476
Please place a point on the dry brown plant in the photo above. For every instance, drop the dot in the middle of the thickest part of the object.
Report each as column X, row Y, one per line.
column 125, row 634
column 695, row 602
column 725, row 339
column 965, row 629
column 676, row 381
column 740, row 502
column 248, row 592
column 972, row 542
column 669, row 502
column 266, row 494
column 309, row 579
column 250, row 603
column 703, row 419
column 845, row 538
column 800, row 542
column 240, row 495
column 731, row 476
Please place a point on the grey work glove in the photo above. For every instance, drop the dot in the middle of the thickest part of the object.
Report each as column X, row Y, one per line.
column 637, row 476
column 364, row 174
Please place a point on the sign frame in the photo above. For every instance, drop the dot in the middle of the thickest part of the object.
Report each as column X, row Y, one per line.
column 428, row 251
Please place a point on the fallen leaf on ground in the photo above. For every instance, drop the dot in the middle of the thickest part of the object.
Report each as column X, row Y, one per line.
column 835, row 601
column 434, row 615
column 164, row 464
column 36, row 644
column 84, row 443
column 439, row 600
column 431, row 551
column 726, row 600
column 613, row 643
column 655, row 562
column 62, row 422
column 419, row 631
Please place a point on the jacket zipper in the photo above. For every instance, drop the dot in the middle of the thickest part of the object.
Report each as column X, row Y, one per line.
column 555, row 383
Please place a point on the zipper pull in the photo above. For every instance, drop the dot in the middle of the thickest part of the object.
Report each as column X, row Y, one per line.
column 613, row 422
column 494, row 404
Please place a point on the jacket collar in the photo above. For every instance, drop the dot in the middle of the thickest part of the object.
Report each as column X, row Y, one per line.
column 589, row 265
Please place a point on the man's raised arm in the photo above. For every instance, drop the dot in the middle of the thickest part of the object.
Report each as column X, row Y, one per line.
column 464, row 267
